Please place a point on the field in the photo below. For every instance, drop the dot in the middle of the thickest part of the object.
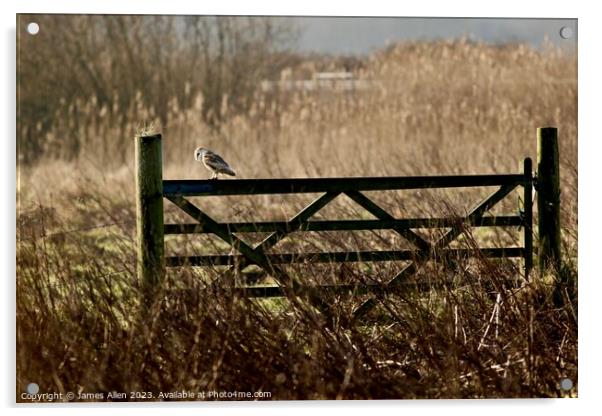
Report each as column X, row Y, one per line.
column 445, row 107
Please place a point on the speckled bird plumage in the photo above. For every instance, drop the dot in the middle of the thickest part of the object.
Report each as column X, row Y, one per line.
column 214, row 162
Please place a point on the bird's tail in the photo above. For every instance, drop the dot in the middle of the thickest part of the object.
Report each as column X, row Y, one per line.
column 230, row 172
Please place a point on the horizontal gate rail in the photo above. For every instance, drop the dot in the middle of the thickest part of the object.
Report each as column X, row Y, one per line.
column 317, row 185
column 477, row 212
column 347, row 225
column 298, row 220
column 344, row 256
column 381, row 214
column 257, row 257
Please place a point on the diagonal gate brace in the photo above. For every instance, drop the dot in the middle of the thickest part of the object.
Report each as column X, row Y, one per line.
column 294, row 223
column 476, row 213
column 381, row 214
column 222, row 232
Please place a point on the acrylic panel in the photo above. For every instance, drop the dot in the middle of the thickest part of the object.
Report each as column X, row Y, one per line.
column 253, row 208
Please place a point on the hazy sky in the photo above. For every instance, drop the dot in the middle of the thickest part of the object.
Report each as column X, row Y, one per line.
column 358, row 35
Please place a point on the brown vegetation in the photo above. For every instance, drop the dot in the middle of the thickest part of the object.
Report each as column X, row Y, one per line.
column 435, row 108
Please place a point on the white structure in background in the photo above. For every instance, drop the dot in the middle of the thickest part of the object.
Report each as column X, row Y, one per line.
column 333, row 76
column 336, row 81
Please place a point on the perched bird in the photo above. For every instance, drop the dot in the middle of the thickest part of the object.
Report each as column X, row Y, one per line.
column 213, row 162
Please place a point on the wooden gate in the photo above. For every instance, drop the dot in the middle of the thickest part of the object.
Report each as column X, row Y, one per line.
column 151, row 229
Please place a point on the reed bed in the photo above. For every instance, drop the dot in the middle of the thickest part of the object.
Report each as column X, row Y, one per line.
column 446, row 107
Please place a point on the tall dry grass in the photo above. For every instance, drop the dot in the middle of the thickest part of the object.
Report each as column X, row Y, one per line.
column 436, row 108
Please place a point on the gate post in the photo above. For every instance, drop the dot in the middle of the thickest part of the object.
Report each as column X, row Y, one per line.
column 548, row 198
column 528, row 215
column 150, row 263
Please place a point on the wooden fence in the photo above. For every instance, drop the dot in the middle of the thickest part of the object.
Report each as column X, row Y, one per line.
column 152, row 189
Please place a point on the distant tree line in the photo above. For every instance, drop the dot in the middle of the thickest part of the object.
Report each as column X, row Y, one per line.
column 121, row 62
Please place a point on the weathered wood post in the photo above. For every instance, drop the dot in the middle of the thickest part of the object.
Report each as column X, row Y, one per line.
column 149, row 213
column 528, row 215
column 548, row 198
